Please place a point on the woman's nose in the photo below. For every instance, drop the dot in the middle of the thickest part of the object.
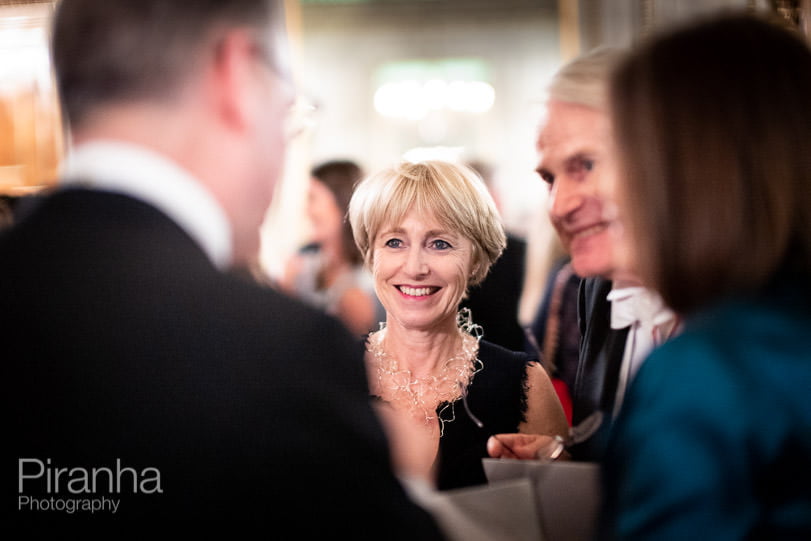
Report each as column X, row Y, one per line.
column 416, row 264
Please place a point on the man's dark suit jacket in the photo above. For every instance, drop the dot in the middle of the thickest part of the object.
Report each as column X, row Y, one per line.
column 601, row 351
column 124, row 347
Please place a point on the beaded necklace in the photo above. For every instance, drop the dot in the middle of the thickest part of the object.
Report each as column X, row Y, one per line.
column 422, row 396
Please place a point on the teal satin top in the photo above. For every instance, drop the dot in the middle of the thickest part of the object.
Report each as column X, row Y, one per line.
column 715, row 437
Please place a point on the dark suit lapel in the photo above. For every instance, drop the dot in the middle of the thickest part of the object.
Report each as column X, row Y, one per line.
column 601, row 351
column 612, row 358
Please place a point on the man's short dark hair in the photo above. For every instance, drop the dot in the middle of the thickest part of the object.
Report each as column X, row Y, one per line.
column 107, row 51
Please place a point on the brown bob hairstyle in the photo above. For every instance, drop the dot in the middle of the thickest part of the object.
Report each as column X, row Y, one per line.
column 713, row 127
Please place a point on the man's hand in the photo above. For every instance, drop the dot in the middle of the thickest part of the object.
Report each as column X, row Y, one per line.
column 521, row 446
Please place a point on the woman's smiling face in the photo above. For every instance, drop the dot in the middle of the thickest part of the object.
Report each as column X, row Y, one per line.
column 421, row 271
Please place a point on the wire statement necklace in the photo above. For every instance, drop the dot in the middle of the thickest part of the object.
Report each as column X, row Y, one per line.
column 427, row 398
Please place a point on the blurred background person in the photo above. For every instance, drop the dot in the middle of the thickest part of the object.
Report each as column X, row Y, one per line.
column 495, row 301
column 713, row 127
column 496, row 304
column 429, row 231
column 328, row 272
column 554, row 331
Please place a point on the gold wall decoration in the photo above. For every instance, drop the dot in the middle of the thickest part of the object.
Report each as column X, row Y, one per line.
column 790, row 10
column 31, row 130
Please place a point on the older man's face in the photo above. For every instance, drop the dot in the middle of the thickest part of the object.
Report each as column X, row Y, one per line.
column 576, row 161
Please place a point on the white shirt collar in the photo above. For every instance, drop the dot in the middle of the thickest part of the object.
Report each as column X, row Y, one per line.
column 637, row 304
column 140, row 173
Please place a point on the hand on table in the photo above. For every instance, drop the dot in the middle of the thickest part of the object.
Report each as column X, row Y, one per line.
column 524, row 446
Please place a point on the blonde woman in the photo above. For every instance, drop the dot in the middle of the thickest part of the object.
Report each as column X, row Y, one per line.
column 428, row 231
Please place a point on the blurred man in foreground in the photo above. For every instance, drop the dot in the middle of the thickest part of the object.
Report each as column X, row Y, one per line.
column 146, row 386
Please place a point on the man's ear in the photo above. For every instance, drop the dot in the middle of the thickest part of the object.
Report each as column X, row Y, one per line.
column 232, row 73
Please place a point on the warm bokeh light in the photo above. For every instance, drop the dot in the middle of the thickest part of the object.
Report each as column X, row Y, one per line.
column 413, row 100
column 30, row 123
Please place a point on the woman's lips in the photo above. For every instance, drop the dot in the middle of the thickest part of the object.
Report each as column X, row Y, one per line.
column 422, row 291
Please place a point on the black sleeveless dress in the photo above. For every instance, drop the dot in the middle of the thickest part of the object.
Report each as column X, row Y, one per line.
column 497, row 396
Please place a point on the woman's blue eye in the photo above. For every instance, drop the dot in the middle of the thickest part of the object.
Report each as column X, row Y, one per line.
column 394, row 243
column 441, row 244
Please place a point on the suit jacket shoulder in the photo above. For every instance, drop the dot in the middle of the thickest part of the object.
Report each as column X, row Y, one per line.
column 125, row 343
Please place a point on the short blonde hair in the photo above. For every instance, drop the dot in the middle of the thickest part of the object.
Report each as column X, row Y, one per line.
column 585, row 80
column 453, row 193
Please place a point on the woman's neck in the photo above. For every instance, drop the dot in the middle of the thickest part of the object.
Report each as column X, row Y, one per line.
column 422, row 351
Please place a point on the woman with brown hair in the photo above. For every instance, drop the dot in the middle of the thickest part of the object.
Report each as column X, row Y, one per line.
column 713, row 131
column 328, row 272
